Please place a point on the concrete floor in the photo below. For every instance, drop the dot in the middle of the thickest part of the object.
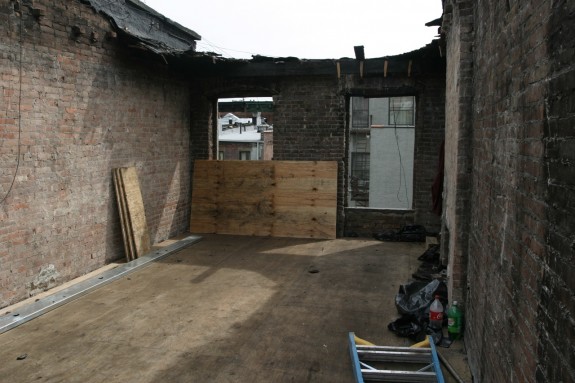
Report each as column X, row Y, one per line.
column 226, row 309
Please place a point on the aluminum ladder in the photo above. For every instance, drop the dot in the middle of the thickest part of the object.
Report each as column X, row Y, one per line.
column 386, row 356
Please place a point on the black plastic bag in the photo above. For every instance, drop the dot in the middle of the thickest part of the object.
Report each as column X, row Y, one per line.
column 415, row 298
column 408, row 233
column 407, row 326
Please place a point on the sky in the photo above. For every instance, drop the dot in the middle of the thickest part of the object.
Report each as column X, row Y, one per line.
column 308, row 29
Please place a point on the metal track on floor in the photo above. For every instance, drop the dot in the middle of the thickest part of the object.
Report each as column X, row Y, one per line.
column 383, row 358
column 42, row 306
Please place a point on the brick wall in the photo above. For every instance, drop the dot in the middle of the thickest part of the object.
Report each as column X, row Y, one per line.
column 310, row 115
column 520, row 306
column 556, row 308
column 231, row 150
column 365, row 222
column 458, row 23
column 83, row 105
column 309, row 125
column 309, row 120
column 203, row 120
column 429, row 134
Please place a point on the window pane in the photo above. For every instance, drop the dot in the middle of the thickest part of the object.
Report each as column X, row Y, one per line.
column 359, row 112
column 360, row 178
column 401, row 111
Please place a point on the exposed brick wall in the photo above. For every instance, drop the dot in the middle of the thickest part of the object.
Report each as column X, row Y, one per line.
column 366, row 222
column 309, row 115
column 429, row 134
column 556, row 308
column 86, row 106
column 203, row 116
column 458, row 22
column 309, row 120
column 520, row 306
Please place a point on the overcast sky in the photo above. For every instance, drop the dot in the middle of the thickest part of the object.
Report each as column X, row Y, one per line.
column 312, row 29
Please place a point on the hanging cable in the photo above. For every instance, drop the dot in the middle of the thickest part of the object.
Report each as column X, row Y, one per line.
column 19, row 114
column 401, row 168
column 226, row 49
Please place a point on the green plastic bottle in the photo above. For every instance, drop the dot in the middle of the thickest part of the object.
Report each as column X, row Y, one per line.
column 454, row 322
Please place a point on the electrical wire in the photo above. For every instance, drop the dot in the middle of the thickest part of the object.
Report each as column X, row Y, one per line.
column 401, row 167
column 224, row 51
column 19, row 116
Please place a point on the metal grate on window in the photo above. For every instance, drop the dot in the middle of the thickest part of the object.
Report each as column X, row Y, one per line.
column 359, row 112
column 402, row 111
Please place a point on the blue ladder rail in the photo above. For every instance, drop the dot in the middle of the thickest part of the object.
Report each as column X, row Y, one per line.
column 364, row 372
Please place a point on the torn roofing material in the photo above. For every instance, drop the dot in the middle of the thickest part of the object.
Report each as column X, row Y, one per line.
column 149, row 28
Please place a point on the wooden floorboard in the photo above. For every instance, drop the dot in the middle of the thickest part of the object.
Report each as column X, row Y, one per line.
column 227, row 309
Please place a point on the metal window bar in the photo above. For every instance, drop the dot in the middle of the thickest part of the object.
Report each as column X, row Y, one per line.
column 359, row 179
column 359, row 113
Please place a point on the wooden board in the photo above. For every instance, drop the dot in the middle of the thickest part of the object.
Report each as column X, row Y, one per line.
column 135, row 205
column 125, row 226
column 132, row 212
column 265, row 198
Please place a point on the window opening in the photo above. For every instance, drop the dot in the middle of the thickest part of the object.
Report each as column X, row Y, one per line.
column 401, row 111
column 382, row 138
column 245, row 128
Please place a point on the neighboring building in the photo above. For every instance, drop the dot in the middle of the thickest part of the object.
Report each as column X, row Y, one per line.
column 230, row 120
column 241, row 140
column 382, row 132
column 268, row 137
column 249, row 109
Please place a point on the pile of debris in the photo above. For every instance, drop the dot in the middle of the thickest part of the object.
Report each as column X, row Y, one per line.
column 430, row 267
column 414, row 298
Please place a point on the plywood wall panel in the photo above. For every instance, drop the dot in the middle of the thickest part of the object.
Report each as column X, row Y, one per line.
column 265, row 198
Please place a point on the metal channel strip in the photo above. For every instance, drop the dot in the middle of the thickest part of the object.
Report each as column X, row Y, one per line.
column 42, row 306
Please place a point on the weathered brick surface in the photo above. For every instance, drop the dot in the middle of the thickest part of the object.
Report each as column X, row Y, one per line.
column 310, row 126
column 458, row 23
column 309, row 120
column 520, row 305
column 84, row 106
column 310, row 115
column 366, row 222
column 429, row 134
